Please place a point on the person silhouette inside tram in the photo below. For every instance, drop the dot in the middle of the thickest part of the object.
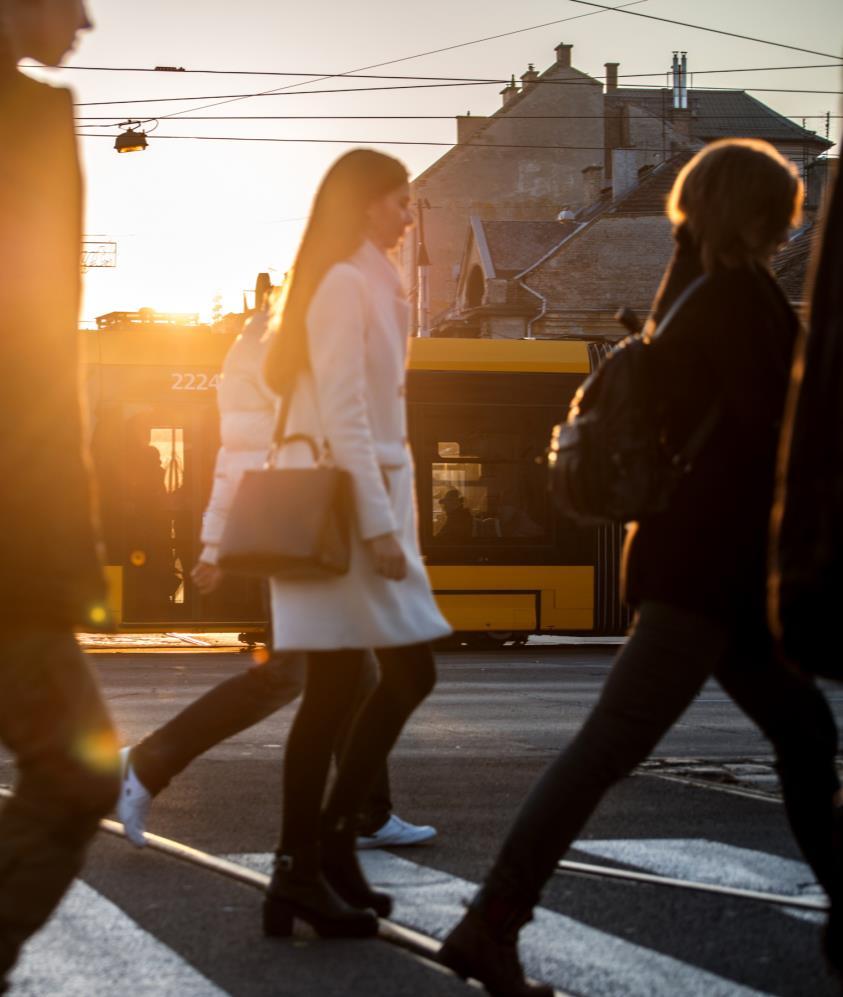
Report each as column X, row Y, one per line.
column 459, row 522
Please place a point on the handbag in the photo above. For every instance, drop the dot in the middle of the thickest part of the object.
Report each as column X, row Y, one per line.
column 291, row 523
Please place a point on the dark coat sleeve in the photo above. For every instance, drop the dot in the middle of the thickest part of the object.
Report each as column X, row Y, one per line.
column 806, row 576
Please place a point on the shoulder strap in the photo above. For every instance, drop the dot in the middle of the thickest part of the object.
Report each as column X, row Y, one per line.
column 278, row 436
column 677, row 305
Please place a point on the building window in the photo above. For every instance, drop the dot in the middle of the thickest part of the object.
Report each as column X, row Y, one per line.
column 475, row 287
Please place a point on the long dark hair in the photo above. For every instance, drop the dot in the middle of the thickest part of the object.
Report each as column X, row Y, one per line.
column 334, row 232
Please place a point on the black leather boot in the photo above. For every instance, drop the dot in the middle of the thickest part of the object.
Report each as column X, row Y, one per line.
column 342, row 870
column 298, row 890
column 484, row 947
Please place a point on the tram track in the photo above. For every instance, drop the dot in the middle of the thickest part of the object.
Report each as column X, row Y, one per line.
column 424, row 947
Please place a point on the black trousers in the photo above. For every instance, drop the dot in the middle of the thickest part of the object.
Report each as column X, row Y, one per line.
column 407, row 676
column 239, row 703
column 664, row 664
column 53, row 719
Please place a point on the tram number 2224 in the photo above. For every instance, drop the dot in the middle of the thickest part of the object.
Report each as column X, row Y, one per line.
column 185, row 381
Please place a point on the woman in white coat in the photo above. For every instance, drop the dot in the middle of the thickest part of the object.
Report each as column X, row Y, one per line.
column 340, row 349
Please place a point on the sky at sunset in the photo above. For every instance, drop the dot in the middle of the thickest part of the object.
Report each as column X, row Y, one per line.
column 193, row 219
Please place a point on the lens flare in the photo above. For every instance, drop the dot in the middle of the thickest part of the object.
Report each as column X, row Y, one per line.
column 138, row 558
column 260, row 655
column 98, row 615
column 97, row 750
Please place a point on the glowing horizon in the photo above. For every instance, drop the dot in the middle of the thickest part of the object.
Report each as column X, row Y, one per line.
column 193, row 220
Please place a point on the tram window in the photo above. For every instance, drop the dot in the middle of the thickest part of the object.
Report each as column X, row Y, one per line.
column 169, row 443
column 486, row 485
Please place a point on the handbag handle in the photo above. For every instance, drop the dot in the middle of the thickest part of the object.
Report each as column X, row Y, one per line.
column 279, row 440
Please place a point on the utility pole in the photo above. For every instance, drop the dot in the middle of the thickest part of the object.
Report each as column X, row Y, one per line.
column 423, row 267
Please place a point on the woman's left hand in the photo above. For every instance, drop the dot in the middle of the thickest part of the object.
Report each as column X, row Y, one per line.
column 206, row 577
column 388, row 556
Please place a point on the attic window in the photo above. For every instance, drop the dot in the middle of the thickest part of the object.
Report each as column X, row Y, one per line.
column 475, row 287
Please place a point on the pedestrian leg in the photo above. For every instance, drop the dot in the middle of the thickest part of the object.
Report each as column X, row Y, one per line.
column 53, row 719
column 298, row 889
column 376, row 807
column 230, row 707
column 666, row 660
column 795, row 717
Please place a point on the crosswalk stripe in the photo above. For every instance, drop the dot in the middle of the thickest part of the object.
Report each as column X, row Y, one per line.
column 91, row 948
column 555, row 948
column 713, row 862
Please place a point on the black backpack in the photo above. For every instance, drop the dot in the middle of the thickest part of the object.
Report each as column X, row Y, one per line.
column 608, row 462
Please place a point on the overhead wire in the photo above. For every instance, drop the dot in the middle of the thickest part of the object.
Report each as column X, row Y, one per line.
column 421, row 86
column 715, row 31
column 419, row 55
column 385, row 76
column 444, row 117
column 376, row 142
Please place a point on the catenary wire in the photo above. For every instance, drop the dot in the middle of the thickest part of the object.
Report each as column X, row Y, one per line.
column 372, row 142
column 384, row 76
column 444, row 117
column 715, row 31
column 422, row 86
column 418, row 55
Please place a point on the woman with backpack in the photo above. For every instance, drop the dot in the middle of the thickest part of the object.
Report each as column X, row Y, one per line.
column 695, row 571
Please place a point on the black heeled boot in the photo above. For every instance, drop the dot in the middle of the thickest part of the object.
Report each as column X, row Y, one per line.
column 484, row 947
column 298, row 890
column 342, row 870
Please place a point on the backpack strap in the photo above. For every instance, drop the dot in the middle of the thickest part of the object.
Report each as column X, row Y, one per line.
column 677, row 305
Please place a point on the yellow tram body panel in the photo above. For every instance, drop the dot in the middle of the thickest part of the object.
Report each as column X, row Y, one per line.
column 545, row 356
column 198, row 348
column 531, row 599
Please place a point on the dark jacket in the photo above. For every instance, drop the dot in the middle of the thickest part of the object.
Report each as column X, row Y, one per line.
column 49, row 570
column 807, row 549
column 729, row 346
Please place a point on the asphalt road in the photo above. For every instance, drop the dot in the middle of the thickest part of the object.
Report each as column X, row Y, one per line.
column 142, row 923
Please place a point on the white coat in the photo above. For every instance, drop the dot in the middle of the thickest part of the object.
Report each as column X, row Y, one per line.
column 351, row 401
column 247, row 419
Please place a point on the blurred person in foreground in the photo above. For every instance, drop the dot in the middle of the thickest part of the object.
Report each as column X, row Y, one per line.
column 52, row 717
column 806, row 550
column 247, row 410
column 695, row 573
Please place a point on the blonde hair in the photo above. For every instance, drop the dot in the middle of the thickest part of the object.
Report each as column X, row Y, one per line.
column 737, row 198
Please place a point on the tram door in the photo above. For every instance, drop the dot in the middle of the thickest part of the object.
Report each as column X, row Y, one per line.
column 154, row 445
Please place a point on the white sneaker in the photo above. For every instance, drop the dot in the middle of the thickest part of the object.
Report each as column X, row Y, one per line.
column 397, row 833
column 133, row 805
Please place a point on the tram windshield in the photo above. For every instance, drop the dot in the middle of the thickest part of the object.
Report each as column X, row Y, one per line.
column 487, row 486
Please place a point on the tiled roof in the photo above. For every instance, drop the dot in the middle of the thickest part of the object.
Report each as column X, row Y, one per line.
column 514, row 245
column 501, row 112
column 720, row 114
column 650, row 196
column 790, row 265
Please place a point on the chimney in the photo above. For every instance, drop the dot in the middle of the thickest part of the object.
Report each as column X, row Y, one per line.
column 624, row 171
column 592, row 181
column 563, row 55
column 683, row 82
column 468, row 125
column 611, row 76
column 509, row 92
column 528, row 79
column 675, row 72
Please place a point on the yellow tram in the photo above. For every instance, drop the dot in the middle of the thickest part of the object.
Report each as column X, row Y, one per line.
column 502, row 563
